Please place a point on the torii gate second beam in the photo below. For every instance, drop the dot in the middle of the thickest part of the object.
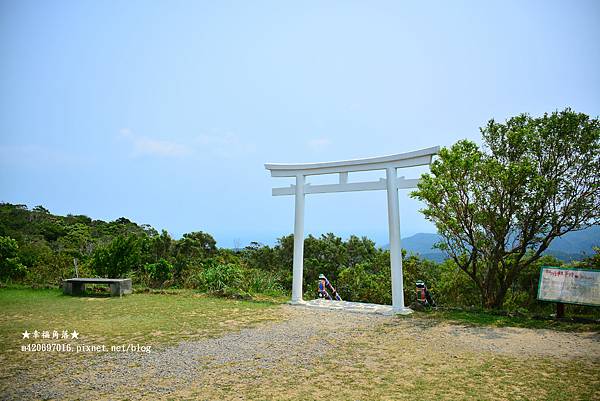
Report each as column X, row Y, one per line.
column 391, row 183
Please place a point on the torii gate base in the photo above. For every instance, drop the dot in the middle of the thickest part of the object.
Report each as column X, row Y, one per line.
column 390, row 164
column 355, row 307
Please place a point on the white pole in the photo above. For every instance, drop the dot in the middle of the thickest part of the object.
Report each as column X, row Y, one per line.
column 298, row 241
column 395, row 248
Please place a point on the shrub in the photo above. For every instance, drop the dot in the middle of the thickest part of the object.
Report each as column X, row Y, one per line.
column 53, row 270
column 120, row 257
column 359, row 284
column 159, row 272
column 259, row 281
column 221, row 277
column 454, row 287
column 10, row 266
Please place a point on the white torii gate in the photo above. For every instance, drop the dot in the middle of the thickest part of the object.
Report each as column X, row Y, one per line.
column 391, row 183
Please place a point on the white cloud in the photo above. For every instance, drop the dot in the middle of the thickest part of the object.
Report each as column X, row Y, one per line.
column 319, row 144
column 34, row 155
column 227, row 145
column 143, row 145
column 148, row 146
column 125, row 132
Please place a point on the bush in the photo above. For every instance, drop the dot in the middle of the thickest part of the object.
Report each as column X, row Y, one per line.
column 10, row 266
column 159, row 272
column 120, row 257
column 360, row 284
column 454, row 287
column 221, row 277
column 54, row 269
column 259, row 281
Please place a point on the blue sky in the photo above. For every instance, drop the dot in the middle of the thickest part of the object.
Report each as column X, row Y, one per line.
column 165, row 111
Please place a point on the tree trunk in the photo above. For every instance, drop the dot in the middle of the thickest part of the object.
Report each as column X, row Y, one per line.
column 494, row 299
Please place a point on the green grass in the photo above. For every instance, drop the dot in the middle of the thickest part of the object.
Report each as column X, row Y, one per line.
column 137, row 318
column 484, row 318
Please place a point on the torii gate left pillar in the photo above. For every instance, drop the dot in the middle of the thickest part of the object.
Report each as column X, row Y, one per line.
column 391, row 184
column 298, row 264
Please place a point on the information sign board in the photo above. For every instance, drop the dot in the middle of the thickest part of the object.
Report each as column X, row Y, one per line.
column 572, row 286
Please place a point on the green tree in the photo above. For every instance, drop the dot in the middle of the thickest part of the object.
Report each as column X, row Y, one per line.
column 10, row 266
column 161, row 245
column 40, row 209
column 259, row 256
column 499, row 208
column 359, row 283
column 324, row 255
column 120, row 257
column 196, row 245
column 359, row 250
column 78, row 241
column 159, row 272
column 594, row 260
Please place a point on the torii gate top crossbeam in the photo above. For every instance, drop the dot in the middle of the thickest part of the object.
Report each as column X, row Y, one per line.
column 409, row 159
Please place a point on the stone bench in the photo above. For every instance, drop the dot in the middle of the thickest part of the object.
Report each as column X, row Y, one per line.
column 118, row 286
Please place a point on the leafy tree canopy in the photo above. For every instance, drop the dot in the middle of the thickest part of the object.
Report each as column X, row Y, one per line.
column 499, row 207
column 196, row 244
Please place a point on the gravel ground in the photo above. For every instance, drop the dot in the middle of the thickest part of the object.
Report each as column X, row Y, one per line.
column 296, row 341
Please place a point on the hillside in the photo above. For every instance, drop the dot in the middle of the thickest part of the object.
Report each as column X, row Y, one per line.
column 575, row 245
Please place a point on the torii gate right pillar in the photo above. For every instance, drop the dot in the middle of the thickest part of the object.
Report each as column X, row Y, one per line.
column 395, row 246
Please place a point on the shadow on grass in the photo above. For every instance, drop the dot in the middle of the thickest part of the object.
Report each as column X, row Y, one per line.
column 91, row 291
column 87, row 294
column 266, row 299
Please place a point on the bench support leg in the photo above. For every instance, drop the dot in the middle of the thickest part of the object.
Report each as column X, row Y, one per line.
column 73, row 288
column 78, row 288
column 67, row 288
column 126, row 287
column 115, row 289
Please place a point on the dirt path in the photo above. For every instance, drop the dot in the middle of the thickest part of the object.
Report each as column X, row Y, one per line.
column 236, row 361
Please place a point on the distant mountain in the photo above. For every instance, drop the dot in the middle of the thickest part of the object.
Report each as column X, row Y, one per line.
column 575, row 245
column 577, row 242
column 421, row 243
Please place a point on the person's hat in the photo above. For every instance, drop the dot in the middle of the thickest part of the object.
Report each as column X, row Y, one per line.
column 322, row 276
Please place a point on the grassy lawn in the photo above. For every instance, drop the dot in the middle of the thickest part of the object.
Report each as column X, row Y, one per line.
column 143, row 318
